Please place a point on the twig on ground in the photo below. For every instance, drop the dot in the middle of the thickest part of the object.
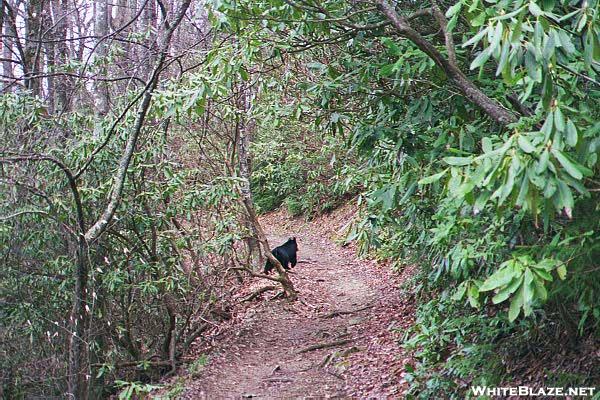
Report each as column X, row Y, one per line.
column 276, row 369
column 334, row 374
column 307, row 304
column 279, row 295
column 260, row 291
column 295, row 371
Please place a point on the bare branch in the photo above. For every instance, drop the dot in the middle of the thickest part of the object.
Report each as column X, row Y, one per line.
column 19, row 213
column 441, row 20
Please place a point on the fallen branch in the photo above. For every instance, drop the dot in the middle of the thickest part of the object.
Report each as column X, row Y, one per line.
column 344, row 312
column 253, row 274
column 257, row 293
column 325, row 345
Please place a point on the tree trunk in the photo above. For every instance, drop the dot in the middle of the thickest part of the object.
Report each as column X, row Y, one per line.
column 10, row 21
column 78, row 352
column 64, row 84
column 244, row 128
column 149, row 24
column 117, row 188
column 49, row 50
column 124, row 12
column 101, row 94
column 33, row 46
column 258, row 237
column 6, row 43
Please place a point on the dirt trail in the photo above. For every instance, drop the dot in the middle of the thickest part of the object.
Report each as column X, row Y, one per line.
column 262, row 359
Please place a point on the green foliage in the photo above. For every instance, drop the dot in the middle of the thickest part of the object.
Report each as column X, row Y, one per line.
column 134, row 390
column 197, row 366
column 303, row 175
column 450, row 358
column 523, row 279
column 174, row 392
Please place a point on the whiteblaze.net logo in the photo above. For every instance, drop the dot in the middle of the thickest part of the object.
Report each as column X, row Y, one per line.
column 529, row 391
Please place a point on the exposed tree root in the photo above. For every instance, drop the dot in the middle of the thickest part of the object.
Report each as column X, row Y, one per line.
column 325, row 345
column 337, row 313
column 282, row 379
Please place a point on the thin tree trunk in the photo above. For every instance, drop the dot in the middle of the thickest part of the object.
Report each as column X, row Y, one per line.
column 258, row 236
column 32, row 46
column 7, row 65
column 51, row 81
column 148, row 24
column 101, row 94
column 244, row 138
column 115, row 197
column 10, row 19
column 78, row 350
column 64, row 83
column 49, row 50
column 124, row 12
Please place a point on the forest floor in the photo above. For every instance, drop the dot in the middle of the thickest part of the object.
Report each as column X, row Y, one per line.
column 356, row 309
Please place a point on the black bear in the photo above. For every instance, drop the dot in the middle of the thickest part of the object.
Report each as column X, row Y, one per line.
column 285, row 254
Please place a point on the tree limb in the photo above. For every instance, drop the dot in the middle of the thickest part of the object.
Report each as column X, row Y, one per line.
column 115, row 197
column 475, row 95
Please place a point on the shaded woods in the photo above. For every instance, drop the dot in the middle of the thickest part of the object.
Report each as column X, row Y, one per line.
column 140, row 141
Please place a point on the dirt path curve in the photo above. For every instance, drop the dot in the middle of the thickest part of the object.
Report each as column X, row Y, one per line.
column 263, row 359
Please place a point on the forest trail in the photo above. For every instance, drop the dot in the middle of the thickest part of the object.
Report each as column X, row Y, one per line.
column 262, row 359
